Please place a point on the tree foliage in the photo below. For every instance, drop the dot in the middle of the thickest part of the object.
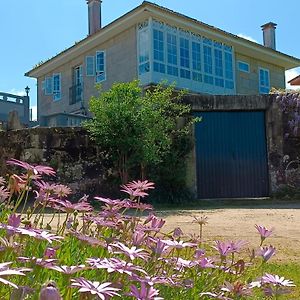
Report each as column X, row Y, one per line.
column 137, row 127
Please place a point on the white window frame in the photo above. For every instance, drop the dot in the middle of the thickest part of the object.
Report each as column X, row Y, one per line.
column 143, row 64
column 264, row 86
column 241, row 62
column 226, row 82
column 100, row 74
column 56, row 93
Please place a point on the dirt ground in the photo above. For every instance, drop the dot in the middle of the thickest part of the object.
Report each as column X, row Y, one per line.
column 238, row 224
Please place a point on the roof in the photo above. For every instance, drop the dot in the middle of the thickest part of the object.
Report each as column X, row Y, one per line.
column 147, row 9
column 295, row 81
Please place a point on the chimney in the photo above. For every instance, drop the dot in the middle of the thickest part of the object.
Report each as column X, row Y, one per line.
column 94, row 7
column 269, row 35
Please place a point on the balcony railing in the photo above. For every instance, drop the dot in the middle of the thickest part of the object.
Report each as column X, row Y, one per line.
column 76, row 93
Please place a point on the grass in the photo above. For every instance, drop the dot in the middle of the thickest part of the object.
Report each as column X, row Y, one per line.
column 228, row 203
column 289, row 271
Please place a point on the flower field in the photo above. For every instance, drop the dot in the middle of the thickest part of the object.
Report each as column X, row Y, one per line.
column 121, row 251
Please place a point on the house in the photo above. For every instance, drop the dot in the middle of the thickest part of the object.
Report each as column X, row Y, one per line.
column 295, row 81
column 152, row 43
column 225, row 75
column 19, row 105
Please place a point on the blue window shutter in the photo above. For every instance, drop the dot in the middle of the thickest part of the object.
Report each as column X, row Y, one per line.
column 48, row 85
column 90, row 66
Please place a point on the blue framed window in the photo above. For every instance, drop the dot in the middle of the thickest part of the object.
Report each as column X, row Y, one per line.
column 208, row 64
column 177, row 52
column 196, row 56
column 56, row 87
column 185, row 58
column 144, row 51
column 158, row 51
column 228, row 66
column 243, row 66
column 264, row 81
column 207, row 59
column 100, row 66
column 158, row 45
column 196, row 61
column 218, row 63
column 219, row 67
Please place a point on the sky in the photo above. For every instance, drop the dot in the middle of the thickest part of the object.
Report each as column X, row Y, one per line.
column 35, row 30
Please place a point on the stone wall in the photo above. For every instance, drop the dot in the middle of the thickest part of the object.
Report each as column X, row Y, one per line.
column 82, row 165
column 78, row 161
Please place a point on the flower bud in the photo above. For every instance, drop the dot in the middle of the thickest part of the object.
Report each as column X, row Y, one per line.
column 50, row 252
column 50, row 292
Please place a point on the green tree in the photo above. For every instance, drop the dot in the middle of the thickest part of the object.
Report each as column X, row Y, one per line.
column 137, row 127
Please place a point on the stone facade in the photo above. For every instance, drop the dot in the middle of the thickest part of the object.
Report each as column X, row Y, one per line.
column 247, row 83
column 120, row 67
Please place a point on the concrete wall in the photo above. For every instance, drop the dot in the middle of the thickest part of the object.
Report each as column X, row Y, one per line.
column 119, row 67
column 9, row 103
column 248, row 83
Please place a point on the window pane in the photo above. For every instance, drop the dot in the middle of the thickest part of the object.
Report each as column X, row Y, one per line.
column 56, row 87
column 100, row 61
column 219, row 82
column 171, row 49
column 197, row 76
column 158, row 45
column 264, row 81
column 208, row 79
column 49, row 85
column 196, row 56
column 243, row 66
column 228, row 66
column 144, row 46
column 218, row 63
column 207, row 59
column 90, row 66
column 158, row 67
column 184, row 53
column 172, row 70
column 185, row 74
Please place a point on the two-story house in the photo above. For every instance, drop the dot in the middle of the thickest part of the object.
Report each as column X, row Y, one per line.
column 152, row 43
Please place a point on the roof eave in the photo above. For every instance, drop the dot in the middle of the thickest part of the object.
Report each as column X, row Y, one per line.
column 241, row 45
column 122, row 23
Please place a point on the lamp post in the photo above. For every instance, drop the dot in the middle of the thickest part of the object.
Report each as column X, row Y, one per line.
column 27, row 89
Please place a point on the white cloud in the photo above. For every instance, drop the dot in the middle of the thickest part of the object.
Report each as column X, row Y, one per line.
column 247, row 37
column 290, row 74
column 34, row 112
column 17, row 92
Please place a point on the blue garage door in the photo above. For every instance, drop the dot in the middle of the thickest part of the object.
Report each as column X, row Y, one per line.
column 231, row 155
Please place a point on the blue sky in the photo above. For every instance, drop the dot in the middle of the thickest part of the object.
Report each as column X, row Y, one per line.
column 34, row 30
